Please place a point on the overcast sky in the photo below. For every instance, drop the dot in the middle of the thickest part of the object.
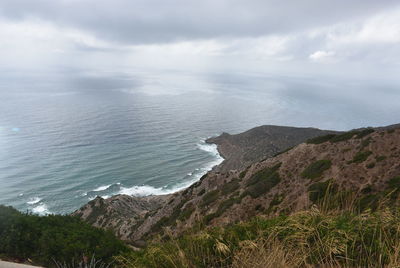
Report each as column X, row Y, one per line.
column 357, row 38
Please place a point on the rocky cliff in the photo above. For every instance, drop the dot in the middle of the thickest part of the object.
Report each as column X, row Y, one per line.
column 363, row 164
column 256, row 144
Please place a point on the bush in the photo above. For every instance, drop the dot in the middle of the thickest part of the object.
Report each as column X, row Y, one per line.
column 230, row 187
column 344, row 136
column 321, row 139
column 209, row 198
column 380, row 158
column 365, row 132
column 263, row 181
column 243, row 173
column 54, row 237
column 316, row 169
column 361, row 156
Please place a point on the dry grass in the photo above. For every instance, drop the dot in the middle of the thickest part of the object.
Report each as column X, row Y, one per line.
column 326, row 235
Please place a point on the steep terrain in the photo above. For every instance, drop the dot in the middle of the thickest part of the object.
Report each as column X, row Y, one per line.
column 256, row 144
column 363, row 164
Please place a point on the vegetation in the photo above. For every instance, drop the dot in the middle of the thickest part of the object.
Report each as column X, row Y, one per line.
column 243, row 173
column 316, row 169
column 380, row 158
column 308, row 238
column 341, row 137
column 210, row 197
column 319, row 190
column 361, row 156
column 344, row 136
column 263, row 181
column 46, row 239
column 230, row 187
column 321, row 139
column 365, row 132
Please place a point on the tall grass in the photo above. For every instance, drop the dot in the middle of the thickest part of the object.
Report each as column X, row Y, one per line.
column 325, row 235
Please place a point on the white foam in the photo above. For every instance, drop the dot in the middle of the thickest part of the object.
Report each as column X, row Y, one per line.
column 145, row 190
column 102, row 188
column 34, row 200
column 41, row 209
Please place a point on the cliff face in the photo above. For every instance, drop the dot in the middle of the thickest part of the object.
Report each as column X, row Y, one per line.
column 254, row 145
column 362, row 163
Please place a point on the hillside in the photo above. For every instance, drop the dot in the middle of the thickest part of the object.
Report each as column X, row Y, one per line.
column 256, row 144
column 363, row 165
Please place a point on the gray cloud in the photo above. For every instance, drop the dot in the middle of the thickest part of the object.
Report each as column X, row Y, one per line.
column 157, row 21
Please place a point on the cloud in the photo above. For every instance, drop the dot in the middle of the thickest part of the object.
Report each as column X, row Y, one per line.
column 322, row 56
column 350, row 37
column 157, row 21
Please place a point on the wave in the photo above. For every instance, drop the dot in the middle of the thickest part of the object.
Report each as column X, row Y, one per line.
column 34, row 200
column 102, row 188
column 41, row 209
column 192, row 177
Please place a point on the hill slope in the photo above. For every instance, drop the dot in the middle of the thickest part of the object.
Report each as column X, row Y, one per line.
column 256, row 144
column 364, row 164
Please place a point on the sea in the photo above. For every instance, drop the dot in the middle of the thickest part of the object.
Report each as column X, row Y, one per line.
column 67, row 137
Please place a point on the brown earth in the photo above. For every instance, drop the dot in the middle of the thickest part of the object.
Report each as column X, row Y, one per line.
column 360, row 162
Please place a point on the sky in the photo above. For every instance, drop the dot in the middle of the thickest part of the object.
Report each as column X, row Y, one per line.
column 358, row 38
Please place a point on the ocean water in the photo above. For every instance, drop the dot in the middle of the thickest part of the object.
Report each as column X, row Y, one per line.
column 67, row 137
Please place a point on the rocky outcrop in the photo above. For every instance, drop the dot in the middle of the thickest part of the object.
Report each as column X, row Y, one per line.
column 120, row 213
column 254, row 145
column 364, row 163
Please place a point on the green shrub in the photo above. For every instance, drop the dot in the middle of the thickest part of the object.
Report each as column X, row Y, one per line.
column 278, row 198
column 316, row 169
column 365, row 142
column 186, row 213
column 263, row 181
column 380, row 158
column 321, row 139
column 54, row 237
column 223, row 206
column 243, row 173
column 344, row 136
column 371, row 165
column 263, row 174
column 202, row 191
column 230, row 187
column 209, row 198
column 361, row 156
column 365, row 132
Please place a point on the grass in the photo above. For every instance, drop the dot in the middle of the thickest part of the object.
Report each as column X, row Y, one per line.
column 319, row 190
column 311, row 238
column 316, row 169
